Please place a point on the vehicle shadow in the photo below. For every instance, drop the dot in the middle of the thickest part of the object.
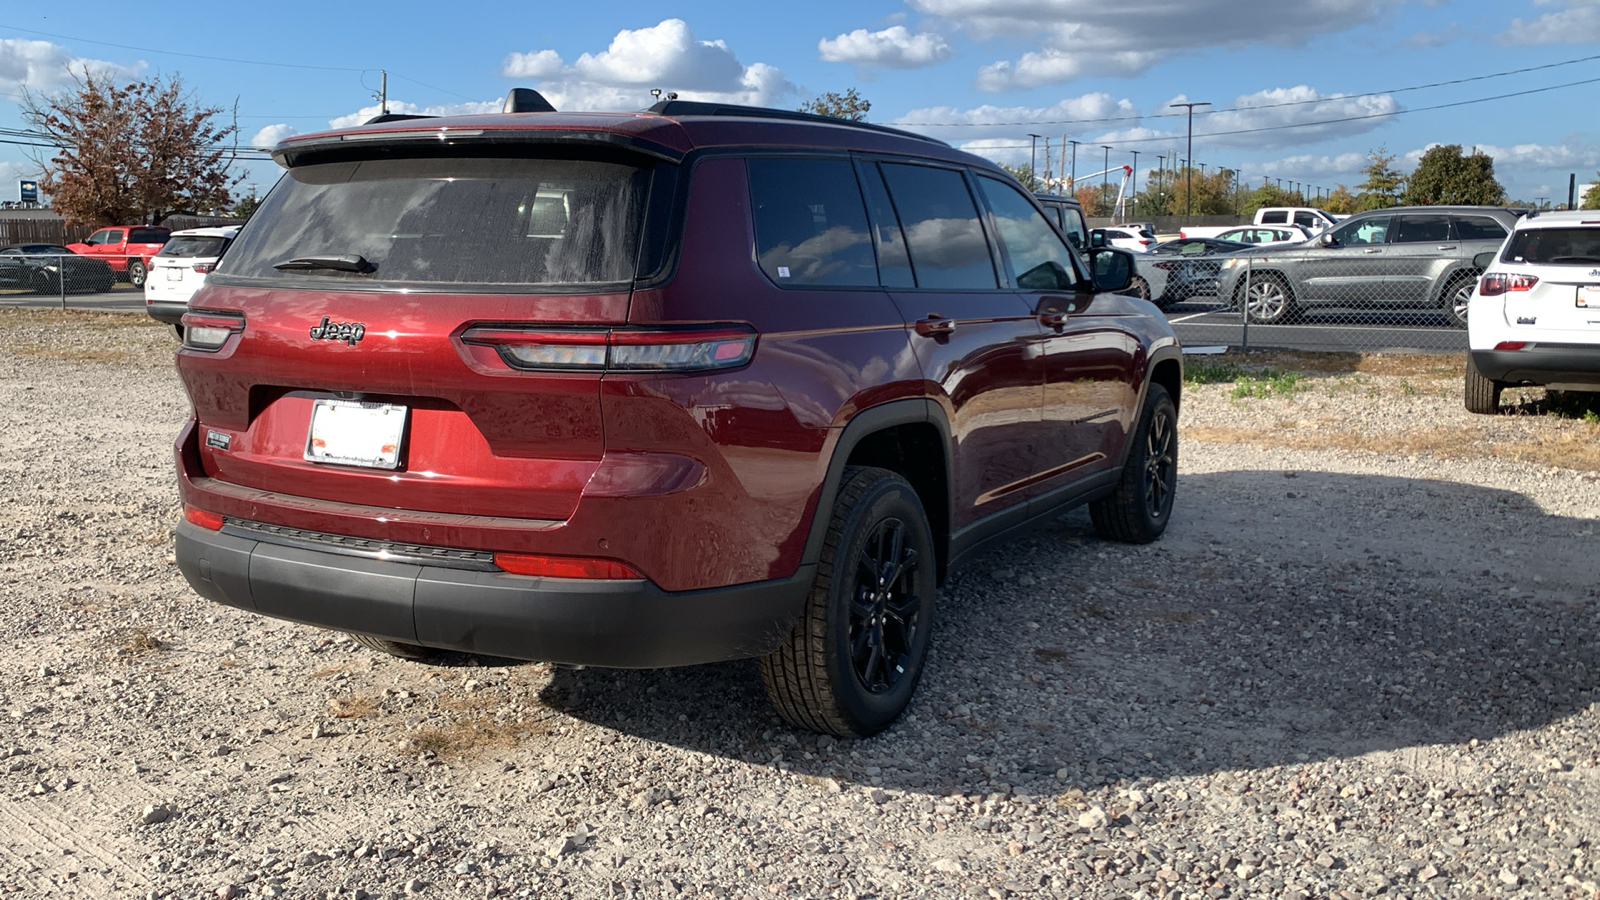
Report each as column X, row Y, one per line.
column 1253, row 634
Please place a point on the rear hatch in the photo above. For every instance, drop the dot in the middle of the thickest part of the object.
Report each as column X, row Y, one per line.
column 348, row 319
column 1553, row 284
column 182, row 265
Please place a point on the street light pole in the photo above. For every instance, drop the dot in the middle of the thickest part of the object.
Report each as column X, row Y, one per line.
column 1033, row 161
column 1188, row 177
column 1133, row 192
column 1105, row 180
column 1073, row 179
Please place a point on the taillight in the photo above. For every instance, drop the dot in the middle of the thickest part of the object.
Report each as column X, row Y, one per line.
column 209, row 330
column 1496, row 283
column 203, row 268
column 207, row 520
column 693, row 349
column 1169, row 266
column 564, row 566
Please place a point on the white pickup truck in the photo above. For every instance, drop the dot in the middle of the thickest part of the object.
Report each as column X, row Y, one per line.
column 1310, row 218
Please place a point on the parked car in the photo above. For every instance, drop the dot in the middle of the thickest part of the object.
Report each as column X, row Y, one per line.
column 125, row 248
column 736, row 394
column 1123, row 238
column 1535, row 313
column 1310, row 218
column 1265, row 235
column 40, row 268
column 1192, row 270
column 1067, row 214
column 180, row 268
column 1417, row 257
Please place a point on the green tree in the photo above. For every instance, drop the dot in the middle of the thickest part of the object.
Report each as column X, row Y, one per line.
column 1340, row 202
column 1591, row 197
column 246, row 206
column 1023, row 174
column 1446, row 176
column 1384, row 182
column 850, row 106
column 134, row 152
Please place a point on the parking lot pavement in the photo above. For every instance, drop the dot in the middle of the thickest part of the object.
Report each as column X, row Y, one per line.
column 121, row 298
column 1203, row 321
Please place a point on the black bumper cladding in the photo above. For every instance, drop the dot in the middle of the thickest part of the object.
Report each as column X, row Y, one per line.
column 621, row 624
column 1541, row 364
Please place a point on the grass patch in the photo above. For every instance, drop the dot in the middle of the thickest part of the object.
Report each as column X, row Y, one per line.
column 1577, row 447
column 132, row 642
column 352, row 707
column 1266, row 384
column 1212, row 370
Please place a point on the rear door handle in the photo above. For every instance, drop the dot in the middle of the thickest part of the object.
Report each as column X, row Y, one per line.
column 1373, row 250
column 1447, row 246
column 935, row 326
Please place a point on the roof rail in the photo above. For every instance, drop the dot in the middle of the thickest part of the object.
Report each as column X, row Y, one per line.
column 679, row 108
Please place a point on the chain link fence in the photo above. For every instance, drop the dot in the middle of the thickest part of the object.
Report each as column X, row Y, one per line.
column 1353, row 300
column 27, row 275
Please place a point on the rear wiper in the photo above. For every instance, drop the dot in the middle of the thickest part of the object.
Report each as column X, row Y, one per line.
column 350, row 262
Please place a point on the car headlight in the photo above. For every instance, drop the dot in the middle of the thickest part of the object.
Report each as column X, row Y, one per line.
column 1229, row 263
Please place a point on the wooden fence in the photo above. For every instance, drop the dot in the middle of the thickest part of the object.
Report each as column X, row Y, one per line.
column 57, row 231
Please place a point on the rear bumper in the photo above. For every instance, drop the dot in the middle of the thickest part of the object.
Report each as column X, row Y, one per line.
column 1577, row 364
column 622, row 624
column 168, row 311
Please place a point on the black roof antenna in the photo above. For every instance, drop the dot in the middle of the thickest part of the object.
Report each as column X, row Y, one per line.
column 526, row 100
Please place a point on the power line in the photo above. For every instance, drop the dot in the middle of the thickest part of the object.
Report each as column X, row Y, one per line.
column 1212, row 112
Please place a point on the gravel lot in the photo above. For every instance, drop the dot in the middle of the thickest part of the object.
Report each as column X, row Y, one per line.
column 1342, row 673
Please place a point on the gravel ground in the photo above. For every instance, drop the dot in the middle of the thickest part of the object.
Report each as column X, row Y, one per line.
column 1342, row 673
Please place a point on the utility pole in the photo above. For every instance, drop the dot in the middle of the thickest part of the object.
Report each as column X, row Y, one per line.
column 1133, row 191
column 1188, row 178
column 1073, row 181
column 383, row 93
column 1033, row 160
column 1105, row 181
column 1572, row 191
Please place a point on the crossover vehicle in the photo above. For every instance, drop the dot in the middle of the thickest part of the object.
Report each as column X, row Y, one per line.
column 1067, row 214
column 1265, row 235
column 50, row 268
column 1192, row 265
column 656, row 388
column 125, row 248
column 1415, row 257
column 180, row 268
column 1535, row 316
column 1123, row 237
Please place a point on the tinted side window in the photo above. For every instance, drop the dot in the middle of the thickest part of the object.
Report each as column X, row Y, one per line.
column 1306, row 219
column 1274, row 217
column 1365, row 232
column 945, row 237
column 1037, row 258
column 894, row 264
column 1421, row 230
column 148, row 236
column 811, row 227
column 101, row 237
column 1479, row 228
column 1075, row 226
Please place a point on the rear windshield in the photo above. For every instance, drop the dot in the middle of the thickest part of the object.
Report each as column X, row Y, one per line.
column 1555, row 246
column 455, row 223
column 148, row 235
column 194, row 247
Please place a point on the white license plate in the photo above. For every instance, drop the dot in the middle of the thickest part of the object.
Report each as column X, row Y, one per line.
column 353, row 433
column 1589, row 296
column 174, row 274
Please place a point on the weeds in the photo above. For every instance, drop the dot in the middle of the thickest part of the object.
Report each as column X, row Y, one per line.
column 1267, row 383
column 1204, row 370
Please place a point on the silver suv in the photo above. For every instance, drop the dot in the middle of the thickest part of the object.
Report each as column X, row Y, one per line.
column 1414, row 256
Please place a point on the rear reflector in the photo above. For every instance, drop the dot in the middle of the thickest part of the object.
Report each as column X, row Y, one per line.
column 207, row 520
column 564, row 566
column 1511, row 345
column 696, row 349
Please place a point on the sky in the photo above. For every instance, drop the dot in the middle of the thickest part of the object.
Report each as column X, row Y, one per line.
column 1301, row 90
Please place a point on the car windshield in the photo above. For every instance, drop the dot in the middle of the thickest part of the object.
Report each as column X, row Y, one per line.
column 1555, row 246
column 449, row 223
column 194, row 247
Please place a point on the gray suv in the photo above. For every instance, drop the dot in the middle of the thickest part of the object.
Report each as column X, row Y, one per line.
column 1412, row 256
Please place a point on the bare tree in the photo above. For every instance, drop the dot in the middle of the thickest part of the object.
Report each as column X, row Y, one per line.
column 850, row 106
column 136, row 152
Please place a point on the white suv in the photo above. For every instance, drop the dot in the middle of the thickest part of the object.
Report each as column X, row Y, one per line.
column 1535, row 315
column 180, row 268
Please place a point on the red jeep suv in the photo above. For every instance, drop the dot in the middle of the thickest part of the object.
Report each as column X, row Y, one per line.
column 656, row 388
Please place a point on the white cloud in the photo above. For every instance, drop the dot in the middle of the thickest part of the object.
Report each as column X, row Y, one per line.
column 1574, row 154
column 534, row 64
column 268, row 137
column 1577, row 23
column 1079, row 37
column 894, row 47
column 665, row 56
column 1305, row 167
column 1000, row 150
column 43, row 66
column 1074, row 115
column 399, row 106
column 1285, row 117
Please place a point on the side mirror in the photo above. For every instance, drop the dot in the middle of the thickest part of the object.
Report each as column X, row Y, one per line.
column 1326, row 240
column 1485, row 259
column 1112, row 268
column 1097, row 237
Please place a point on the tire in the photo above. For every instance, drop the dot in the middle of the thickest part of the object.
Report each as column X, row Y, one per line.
column 1482, row 394
column 136, row 273
column 1268, row 300
column 1137, row 287
column 1457, row 294
column 1138, row 511
column 395, row 648
column 852, row 662
column 178, row 327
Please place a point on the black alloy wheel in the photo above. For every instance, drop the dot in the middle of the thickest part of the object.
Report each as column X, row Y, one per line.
column 884, row 618
column 1138, row 510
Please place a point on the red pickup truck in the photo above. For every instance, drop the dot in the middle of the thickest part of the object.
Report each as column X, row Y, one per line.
column 125, row 248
